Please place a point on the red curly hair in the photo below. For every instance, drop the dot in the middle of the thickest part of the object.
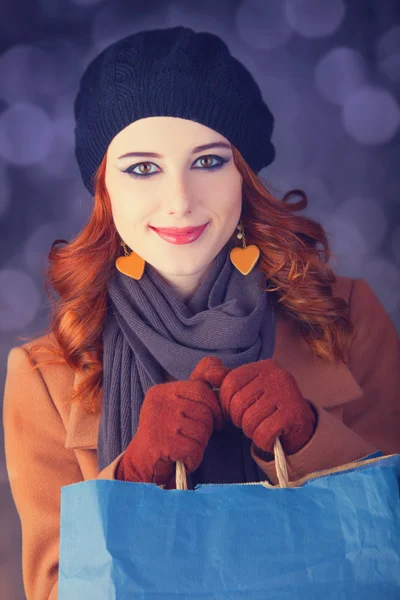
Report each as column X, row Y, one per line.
column 290, row 259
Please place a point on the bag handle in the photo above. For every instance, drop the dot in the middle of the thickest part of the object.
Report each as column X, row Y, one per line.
column 280, row 464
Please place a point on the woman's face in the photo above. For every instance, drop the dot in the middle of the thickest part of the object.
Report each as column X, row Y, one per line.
column 181, row 189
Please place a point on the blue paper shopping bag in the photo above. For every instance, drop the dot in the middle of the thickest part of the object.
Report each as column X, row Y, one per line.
column 336, row 535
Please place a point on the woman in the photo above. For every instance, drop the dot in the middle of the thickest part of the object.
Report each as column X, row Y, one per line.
column 219, row 348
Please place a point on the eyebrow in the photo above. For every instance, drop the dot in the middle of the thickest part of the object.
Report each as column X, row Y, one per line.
column 197, row 149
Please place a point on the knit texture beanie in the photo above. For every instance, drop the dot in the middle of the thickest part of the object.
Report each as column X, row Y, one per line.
column 173, row 72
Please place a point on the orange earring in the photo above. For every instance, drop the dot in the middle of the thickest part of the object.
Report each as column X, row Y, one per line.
column 244, row 259
column 131, row 264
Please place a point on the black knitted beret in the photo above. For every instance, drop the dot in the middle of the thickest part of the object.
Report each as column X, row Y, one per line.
column 169, row 72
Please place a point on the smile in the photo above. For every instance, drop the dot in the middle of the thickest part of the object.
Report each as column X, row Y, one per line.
column 181, row 238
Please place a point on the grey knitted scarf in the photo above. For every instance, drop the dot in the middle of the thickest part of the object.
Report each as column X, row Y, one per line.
column 148, row 330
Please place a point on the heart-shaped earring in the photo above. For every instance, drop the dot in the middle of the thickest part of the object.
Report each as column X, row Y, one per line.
column 244, row 259
column 131, row 264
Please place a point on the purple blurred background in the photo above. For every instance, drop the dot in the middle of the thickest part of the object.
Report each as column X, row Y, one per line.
column 330, row 71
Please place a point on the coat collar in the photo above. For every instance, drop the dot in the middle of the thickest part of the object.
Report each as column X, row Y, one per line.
column 326, row 385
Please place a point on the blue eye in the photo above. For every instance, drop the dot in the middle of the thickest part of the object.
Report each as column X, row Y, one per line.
column 221, row 162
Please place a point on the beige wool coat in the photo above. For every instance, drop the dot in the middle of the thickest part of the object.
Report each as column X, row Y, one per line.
column 49, row 445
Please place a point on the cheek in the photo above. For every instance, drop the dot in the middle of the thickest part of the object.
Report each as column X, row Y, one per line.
column 120, row 207
column 126, row 205
column 224, row 188
column 127, row 213
column 230, row 188
column 230, row 200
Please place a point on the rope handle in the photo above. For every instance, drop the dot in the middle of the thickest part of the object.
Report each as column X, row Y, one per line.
column 280, row 464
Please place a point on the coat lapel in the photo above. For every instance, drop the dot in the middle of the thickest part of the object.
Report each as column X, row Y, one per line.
column 326, row 385
column 82, row 427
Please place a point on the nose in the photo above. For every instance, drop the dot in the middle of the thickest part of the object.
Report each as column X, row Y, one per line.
column 178, row 199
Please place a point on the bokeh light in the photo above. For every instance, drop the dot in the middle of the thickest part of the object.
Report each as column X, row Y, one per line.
column 262, row 24
column 384, row 278
column 348, row 245
column 388, row 53
column 22, row 68
column 371, row 115
column 33, row 73
column 283, row 99
column 37, row 247
column 111, row 24
column 368, row 217
column 61, row 159
column 25, row 134
column 395, row 243
column 5, row 189
column 313, row 18
column 192, row 14
column 340, row 73
column 19, row 299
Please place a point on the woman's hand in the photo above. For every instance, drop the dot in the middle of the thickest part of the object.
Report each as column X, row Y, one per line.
column 176, row 422
column 263, row 399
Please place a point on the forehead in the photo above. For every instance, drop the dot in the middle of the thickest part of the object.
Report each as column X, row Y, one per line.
column 163, row 135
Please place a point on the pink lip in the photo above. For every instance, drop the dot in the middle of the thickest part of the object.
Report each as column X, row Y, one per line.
column 178, row 230
column 181, row 238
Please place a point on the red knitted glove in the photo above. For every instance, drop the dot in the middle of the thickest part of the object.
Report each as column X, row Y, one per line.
column 263, row 399
column 176, row 422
